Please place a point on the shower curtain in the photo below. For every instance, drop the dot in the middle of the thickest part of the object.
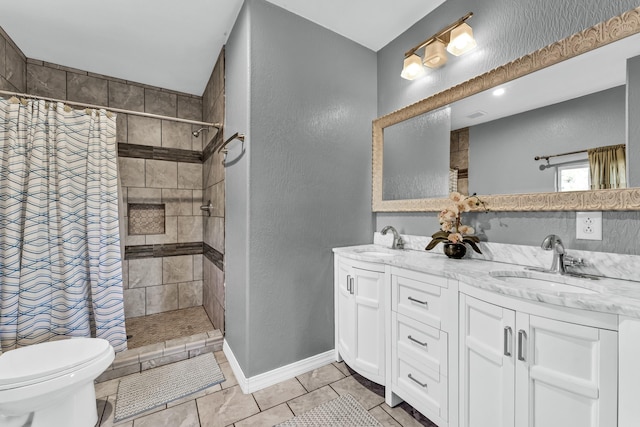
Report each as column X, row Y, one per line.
column 60, row 259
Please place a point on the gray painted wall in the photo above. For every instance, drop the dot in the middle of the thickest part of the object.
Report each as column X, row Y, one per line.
column 416, row 162
column 502, row 152
column 237, row 90
column 505, row 30
column 306, row 97
column 633, row 129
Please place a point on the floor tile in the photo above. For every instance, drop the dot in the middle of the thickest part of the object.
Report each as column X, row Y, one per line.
column 185, row 415
column 229, row 378
column 346, row 370
column 349, row 385
column 308, row 401
column 320, row 377
column 107, row 415
column 270, row 417
column 383, row 417
column 279, row 393
column 107, row 388
column 226, row 407
column 407, row 416
column 220, row 357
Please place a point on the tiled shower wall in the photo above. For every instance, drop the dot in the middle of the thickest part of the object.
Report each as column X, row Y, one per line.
column 213, row 184
column 156, row 284
column 13, row 65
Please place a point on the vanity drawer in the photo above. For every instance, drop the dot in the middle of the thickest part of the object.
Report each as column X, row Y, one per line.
column 422, row 388
column 422, row 343
column 418, row 300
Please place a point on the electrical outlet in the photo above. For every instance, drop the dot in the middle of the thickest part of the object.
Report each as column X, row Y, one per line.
column 589, row 225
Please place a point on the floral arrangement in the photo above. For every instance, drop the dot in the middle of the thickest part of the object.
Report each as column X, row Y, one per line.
column 451, row 228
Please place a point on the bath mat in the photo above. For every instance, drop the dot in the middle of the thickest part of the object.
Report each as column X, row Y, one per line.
column 158, row 386
column 343, row 411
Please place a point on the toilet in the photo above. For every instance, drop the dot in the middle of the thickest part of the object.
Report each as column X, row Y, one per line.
column 51, row 384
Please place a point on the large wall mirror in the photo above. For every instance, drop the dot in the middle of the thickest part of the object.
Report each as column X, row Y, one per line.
column 580, row 93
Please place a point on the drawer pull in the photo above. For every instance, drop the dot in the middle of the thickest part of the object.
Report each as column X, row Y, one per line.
column 417, row 382
column 522, row 336
column 348, row 283
column 425, row 303
column 423, row 344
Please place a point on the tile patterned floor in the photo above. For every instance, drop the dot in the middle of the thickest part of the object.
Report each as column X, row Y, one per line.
column 225, row 404
column 161, row 327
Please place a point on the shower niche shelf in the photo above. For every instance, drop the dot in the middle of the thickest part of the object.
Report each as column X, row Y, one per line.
column 145, row 218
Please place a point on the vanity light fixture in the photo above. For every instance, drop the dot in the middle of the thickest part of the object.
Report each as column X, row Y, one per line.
column 456, row 38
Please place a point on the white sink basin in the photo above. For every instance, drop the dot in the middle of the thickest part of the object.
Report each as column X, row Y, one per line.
column 544, row 281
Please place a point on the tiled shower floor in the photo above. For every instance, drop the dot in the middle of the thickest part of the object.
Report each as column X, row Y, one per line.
column 160, row 327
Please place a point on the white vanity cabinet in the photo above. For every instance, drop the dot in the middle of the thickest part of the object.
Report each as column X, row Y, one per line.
column 360, row 316
column 525, row 364
column 423, row 324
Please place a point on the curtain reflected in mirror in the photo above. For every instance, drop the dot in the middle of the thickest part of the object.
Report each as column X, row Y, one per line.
column 608, row 167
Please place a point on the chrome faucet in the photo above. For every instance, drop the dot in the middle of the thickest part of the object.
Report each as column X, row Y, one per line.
column 398, row 243
column 553, row 242
column 560, row 258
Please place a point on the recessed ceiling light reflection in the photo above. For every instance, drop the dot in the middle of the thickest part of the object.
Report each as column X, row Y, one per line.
column 499, row 92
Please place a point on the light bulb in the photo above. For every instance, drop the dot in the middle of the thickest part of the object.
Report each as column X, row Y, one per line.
column 412, row 68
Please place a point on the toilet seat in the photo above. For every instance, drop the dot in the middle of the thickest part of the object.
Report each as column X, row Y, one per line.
column 37, row 363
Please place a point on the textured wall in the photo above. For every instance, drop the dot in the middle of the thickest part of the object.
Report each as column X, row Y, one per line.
column 237, row 257
column 156, row 284
column 505, row 30
column 311, row 96
column 213, row 190
column 13, row 65
column 633, row 110
column 501, row 152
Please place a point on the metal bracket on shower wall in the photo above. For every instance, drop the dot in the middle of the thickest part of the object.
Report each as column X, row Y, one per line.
column 208, row 208
column 236, row 135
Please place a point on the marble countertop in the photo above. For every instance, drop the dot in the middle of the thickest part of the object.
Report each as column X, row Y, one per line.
column 614, row 296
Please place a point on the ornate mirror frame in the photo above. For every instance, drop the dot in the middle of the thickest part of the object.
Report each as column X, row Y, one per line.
column 592, row 38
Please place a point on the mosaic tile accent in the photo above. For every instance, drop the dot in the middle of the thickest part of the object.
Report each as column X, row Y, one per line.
column 159, row 153
column 214, row 256
column 162, row 250
column 146, row 219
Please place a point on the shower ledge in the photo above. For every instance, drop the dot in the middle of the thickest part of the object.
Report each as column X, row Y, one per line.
column 153, row 355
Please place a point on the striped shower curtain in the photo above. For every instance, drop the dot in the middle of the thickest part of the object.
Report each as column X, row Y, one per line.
column 60, row 260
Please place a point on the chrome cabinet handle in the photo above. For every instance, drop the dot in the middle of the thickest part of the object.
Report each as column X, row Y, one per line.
column 417, row 382
column 425, row 303
column 507, row 340
column 522, row 336
column 352, row 286
column 349, row 283
column 424, row 344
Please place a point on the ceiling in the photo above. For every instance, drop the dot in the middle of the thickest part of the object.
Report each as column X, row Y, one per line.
column 174, row 44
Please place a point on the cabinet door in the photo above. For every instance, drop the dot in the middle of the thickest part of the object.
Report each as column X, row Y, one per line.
column 566, row 376
column 346, row 328
column 370, row 327
column 486, row 364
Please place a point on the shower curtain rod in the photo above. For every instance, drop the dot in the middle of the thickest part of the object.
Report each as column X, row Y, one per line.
column 558, row 155
column 114, row 110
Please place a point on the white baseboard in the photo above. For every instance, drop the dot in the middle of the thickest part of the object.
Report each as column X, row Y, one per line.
column 266, row 379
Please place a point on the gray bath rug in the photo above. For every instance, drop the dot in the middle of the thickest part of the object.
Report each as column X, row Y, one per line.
column 343, row 411
column 158, row 386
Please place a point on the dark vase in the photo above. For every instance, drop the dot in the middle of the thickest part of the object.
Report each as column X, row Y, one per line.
column 455, row 250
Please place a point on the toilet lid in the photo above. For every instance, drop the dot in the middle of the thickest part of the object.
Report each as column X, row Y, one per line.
column 49, row 358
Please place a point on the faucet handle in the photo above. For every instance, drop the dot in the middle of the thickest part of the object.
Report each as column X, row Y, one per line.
column 570, row 261
column 400, row 243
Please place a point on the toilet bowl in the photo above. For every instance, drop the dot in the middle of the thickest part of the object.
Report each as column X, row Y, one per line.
column 51, row 384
